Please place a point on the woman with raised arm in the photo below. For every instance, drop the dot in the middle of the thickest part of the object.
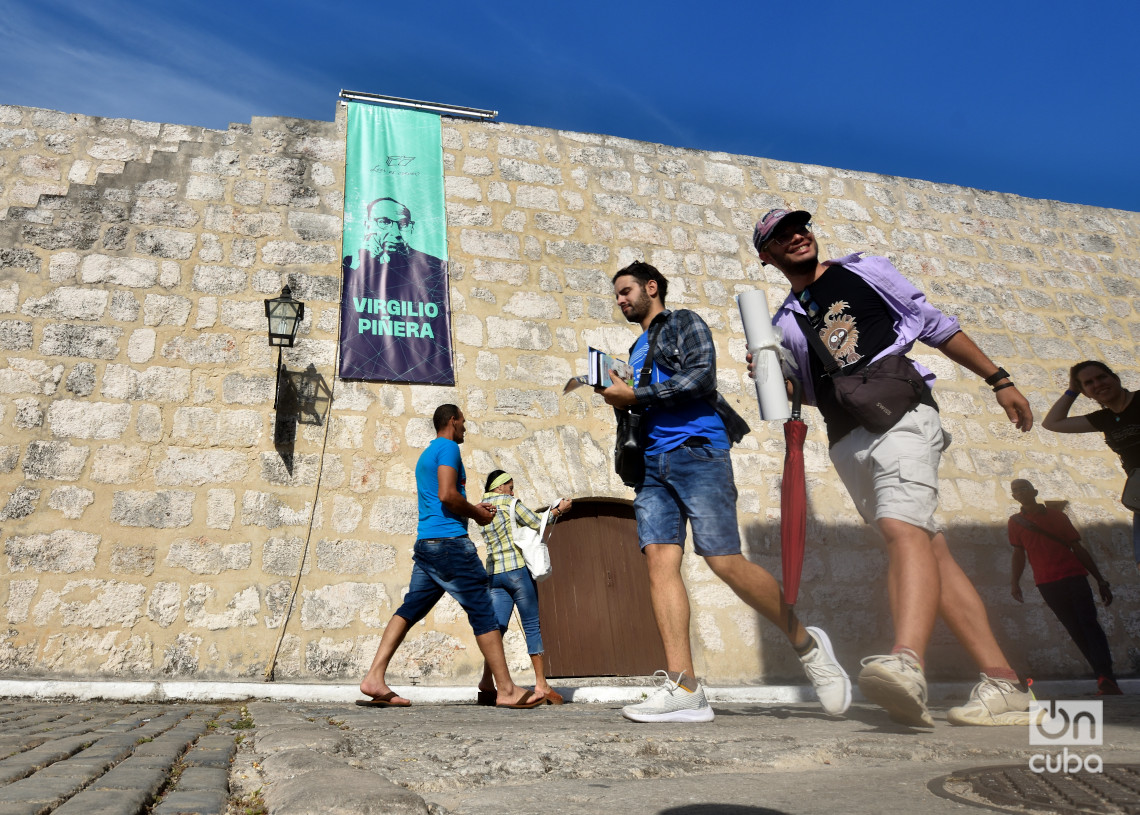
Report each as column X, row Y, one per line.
column 1118, row 419
column 511, row 582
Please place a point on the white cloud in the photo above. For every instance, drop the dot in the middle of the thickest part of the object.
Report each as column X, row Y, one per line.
column 125, row 59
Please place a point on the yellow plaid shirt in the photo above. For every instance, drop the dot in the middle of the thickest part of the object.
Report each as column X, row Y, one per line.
column 502, row 554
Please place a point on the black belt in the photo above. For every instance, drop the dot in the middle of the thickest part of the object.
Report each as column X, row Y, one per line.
column 696, row 441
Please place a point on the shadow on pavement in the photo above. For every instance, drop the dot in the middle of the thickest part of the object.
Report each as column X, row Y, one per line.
column 874, row 718
column 720, row 809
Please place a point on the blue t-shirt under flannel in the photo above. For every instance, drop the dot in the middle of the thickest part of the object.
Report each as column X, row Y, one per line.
column 435, row 519
column 668, row 427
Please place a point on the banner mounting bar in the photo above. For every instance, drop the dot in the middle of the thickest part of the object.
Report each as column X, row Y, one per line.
column 416, row 104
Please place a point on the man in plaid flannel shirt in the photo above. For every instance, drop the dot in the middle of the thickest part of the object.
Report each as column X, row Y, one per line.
column 689, row 429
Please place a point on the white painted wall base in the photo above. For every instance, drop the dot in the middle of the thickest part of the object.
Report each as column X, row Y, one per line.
column 182, row 691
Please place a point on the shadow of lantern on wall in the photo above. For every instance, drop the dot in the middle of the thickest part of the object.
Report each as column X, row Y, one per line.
column 299, row 397
column 306, row 395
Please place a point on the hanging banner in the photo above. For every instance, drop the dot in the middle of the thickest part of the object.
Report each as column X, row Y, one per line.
column 395, row 323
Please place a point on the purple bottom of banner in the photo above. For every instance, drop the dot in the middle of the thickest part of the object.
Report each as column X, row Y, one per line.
column 395, row 323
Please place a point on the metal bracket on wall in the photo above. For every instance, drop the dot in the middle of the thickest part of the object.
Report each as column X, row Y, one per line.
column 417, row 104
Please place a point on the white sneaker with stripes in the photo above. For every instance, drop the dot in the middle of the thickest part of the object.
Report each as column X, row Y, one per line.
column 671, row 702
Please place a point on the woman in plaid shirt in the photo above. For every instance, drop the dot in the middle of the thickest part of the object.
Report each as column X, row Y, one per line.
column 511, row 583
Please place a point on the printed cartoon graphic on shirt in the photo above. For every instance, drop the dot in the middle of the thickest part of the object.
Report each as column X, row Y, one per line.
column 840, row 334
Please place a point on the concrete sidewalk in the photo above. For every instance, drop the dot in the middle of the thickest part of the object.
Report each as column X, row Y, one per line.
column 302, row 757
column 585, row 758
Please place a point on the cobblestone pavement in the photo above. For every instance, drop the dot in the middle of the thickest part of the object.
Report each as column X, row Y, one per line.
column 109, row 758
column 290, row 758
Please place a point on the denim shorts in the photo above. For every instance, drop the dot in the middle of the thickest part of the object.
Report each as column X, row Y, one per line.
column 449, row 565
column 517, row 588
column 895, row 474
column 693, row 484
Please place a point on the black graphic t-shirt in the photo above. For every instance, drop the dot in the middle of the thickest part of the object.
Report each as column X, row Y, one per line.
column 855, row 324
column 1121, row 432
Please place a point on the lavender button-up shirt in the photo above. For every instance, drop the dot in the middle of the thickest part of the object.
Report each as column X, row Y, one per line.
column 915, row 318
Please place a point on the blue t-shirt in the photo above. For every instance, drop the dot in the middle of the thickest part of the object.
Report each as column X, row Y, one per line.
column 435, row 519
column 668, row 427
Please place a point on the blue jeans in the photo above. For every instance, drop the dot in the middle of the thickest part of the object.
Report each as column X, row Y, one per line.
column 693, row 484
column 449, row 565
column 517, row 588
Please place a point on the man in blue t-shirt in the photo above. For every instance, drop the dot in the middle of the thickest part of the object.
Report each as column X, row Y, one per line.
column 688, row 478
column 445, row 560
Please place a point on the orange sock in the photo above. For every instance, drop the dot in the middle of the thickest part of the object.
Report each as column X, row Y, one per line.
column 1008, row 674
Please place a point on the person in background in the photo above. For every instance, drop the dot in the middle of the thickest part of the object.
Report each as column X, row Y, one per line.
column 445, row 562
column 1061, row 566
column 1118, row 419
column 511, row 581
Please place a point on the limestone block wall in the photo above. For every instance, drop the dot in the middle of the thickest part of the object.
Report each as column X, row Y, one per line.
column 157, row 515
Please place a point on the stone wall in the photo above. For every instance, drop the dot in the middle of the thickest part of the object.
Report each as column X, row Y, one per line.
column 156, row 514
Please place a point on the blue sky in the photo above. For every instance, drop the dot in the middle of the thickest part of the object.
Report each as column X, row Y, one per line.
column 1036, row 98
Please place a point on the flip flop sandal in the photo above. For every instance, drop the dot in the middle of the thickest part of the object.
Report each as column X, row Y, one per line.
column 554, row 698
column 527, row 702
column 384, row 701
column 486, row 697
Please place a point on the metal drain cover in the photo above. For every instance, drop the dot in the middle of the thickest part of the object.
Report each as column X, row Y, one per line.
column 1115, row 791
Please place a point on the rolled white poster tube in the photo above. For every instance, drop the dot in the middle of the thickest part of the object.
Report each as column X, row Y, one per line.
column 771, row 393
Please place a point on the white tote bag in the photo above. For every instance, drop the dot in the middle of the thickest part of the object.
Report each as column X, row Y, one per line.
column 530, row 542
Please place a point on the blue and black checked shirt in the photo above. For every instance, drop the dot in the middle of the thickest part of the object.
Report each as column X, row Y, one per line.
column 685, row 347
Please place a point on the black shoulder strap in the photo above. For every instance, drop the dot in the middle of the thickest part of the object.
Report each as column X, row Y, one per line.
column 646, row 369
column 830, row 366
column 1021, row 520
column 654, row 331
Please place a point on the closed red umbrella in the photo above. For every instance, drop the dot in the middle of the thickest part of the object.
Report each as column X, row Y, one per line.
column 793, row 499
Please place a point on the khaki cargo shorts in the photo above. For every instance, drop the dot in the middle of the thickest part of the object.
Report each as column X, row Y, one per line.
column 895, row 474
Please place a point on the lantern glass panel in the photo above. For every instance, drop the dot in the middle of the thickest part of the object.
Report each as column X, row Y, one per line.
column 284, row 315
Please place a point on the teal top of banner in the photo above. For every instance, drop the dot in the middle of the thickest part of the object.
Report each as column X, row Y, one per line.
column 393, row 162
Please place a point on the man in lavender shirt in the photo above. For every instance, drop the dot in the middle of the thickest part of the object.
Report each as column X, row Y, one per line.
column 864, row 310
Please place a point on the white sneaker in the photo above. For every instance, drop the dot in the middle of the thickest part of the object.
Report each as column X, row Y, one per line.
column 895, row 683
column 993, row 702
column 671, row 702
column 831, row 683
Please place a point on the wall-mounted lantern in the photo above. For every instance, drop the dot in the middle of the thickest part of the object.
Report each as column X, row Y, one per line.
column 284, row 315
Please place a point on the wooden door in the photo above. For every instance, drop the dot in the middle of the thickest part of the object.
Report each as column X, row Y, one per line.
column 596, row 615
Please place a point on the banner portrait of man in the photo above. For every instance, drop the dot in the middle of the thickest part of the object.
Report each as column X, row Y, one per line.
column 395, row 320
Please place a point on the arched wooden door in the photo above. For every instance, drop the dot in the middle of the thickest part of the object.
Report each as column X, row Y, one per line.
column 596, row 615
